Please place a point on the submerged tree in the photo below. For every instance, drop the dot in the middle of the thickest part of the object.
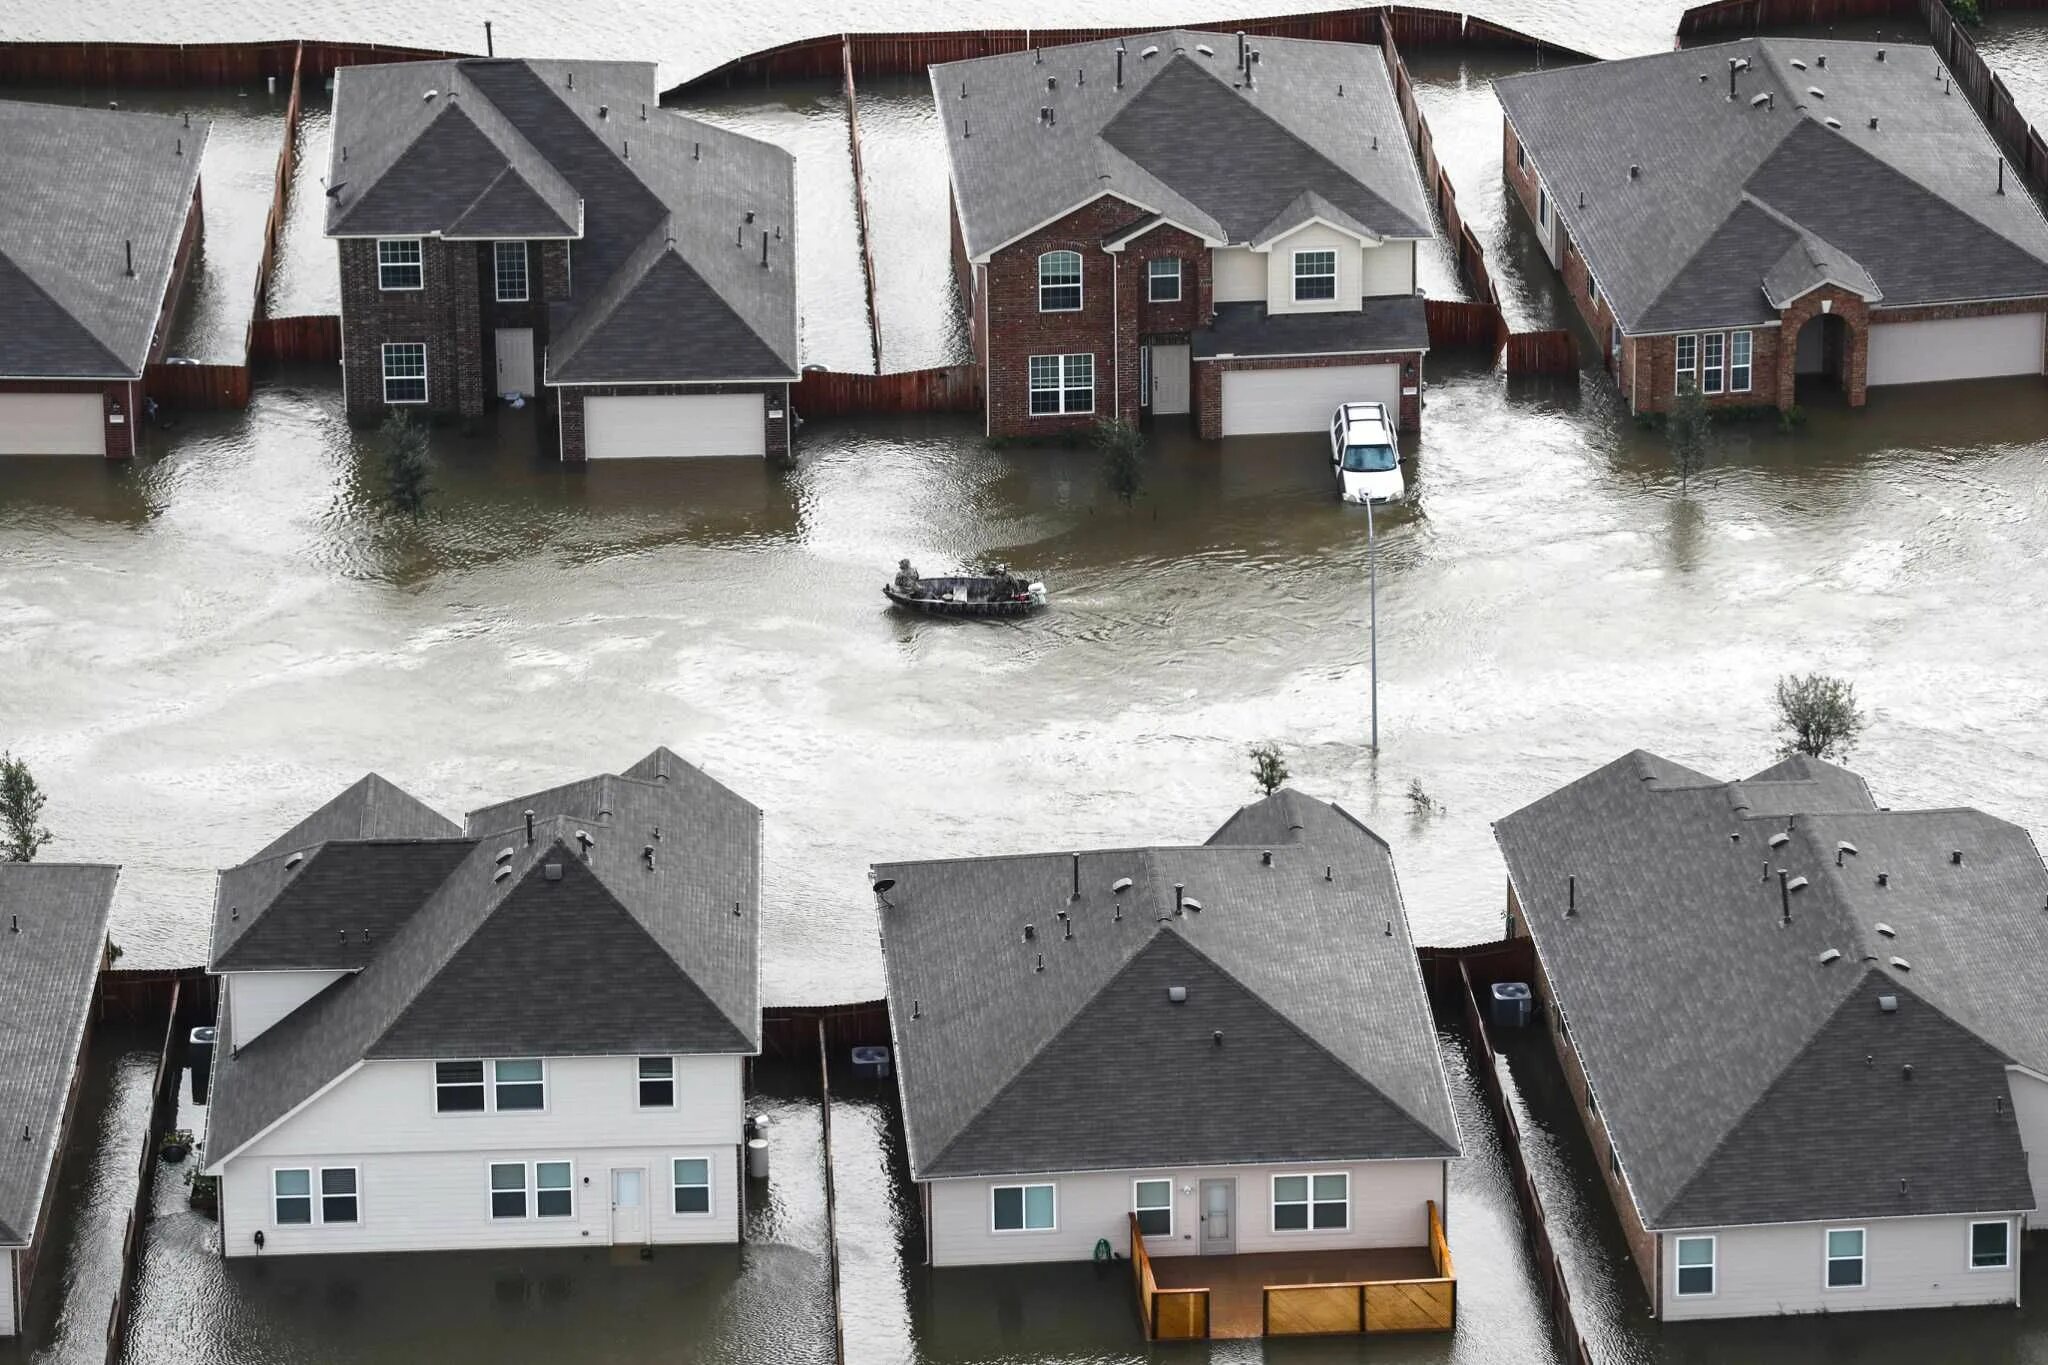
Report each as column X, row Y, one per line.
column 1817, row 716
column 1123, row 457
column 21, row 811
column 1686, row 430
column 1269, row 767
column 403, row 443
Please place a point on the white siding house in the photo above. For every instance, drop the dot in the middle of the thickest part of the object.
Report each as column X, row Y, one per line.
column 1845, row 1266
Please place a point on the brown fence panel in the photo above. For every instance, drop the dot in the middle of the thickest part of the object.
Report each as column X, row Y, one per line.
column 793, row 1030
column 1410, row 1306
column 1552, row 352
column 198, row 387
column 828, row 393
column 311, row 339
column 860, row 205
column 1314, row 1310
column 1453, row 323
column 1180, row 1314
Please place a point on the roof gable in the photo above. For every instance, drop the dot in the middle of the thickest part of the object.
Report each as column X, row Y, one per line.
column 630, row 334
column 335, row 910
column 40, row 337
column 507, row 208
column 368, row 808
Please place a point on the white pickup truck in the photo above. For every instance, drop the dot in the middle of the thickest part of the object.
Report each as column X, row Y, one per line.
column 1365, row 453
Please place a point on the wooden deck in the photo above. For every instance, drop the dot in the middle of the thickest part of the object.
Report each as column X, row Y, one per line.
column 1237, row 1284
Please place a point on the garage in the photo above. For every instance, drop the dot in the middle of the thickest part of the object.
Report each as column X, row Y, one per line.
column 1954, row 348
column 52, row 424
column 674, row 426
column 1261, row 402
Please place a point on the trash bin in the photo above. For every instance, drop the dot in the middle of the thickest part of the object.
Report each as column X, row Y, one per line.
column 1511, row 1004
column 757, row 1158
column 871, row 1063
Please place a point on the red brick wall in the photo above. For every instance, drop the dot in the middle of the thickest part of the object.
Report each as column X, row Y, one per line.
column 1140, row 320
column 1208, row 398
column 570, row 401
column 445, row 314
column 1649, row 376
column 1016, row 330
column 1855, row 362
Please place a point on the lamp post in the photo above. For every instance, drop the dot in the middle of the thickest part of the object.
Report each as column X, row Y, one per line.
column 1372, row 578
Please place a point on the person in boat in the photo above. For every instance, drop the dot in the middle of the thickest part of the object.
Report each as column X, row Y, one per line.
column 907, row 581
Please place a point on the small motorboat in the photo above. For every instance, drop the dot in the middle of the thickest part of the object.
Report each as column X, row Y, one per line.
column 998, row 597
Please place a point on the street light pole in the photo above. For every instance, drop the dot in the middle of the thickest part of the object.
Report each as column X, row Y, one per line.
column 1372, row 571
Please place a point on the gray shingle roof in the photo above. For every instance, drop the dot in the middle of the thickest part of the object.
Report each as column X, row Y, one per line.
column 1183, row 137
column 1395, row 323
column 1328, row 1049
column 1726, row 188
column 659, row 960
column 83, row 184
column 1720, row 1046
column 667, row 213
column 53, row 923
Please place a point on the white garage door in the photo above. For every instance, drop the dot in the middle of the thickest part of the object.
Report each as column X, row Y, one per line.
column 51, row 424
column 673, row 426
column 1955, row 348
column 1256, row 402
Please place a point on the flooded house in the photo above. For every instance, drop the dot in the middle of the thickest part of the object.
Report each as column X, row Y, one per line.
column 53, row 922
column 1216, row 1060
column 543, row 231
column 1802, row 1030
column 98, row 227
column 1773, row 217
column 1182, row 223
column 524, row 1030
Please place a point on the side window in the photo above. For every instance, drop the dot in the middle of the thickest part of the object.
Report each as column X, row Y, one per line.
column 1152, row 1201
column 657, row 1082
column 692, row 1177
column 1695, row 1267
column 458, row 1087
column 519, row 1084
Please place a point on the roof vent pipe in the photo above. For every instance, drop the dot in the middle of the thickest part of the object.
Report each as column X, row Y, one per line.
column 1821, row 61
column 2001, row 183
column 1329, row 874
column 1076, row 893
column 696, row 151
column 1873, row 123
column 1080, row 76
column 1179, row 897
column 584, row 841
column 1119, row 69
column 764, row 251
column 1041, row 963
column 1884, row 879
column 1956, row 856
column 1880, row 54
column 1240, row 49
column 129, row 244
column 604, row 111
column 572, row 80
column 1052, row 82
column 181, row 147
column 643, row 111
column 1733, row 69
column 1266, row 857
column 1784, row 898
column 626, row 150
column 529, row 827
column 1635, row 172
column 1571, row 895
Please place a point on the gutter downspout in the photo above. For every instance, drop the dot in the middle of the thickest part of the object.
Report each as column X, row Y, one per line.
column 1116, row 337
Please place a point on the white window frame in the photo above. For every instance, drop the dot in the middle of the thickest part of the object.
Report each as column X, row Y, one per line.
column 1828, row 1259
column 491, row 1191
column 320, row 1196
column 641, row 1080
column 1712, row 1267
column 1970, row 1244
column 1141, row 1209
column 483, row 1083
column 418, row 265
column 1680, row 370
column 676, row 1186
column 498, row 254
column 1077, row 284
column 570, row 1188
column 1153, row 278
column 425, row 390
column 1308, row 1202
column 1024, row 1208
column 1747, row 366
column 1713, row 372
column 312, row 1198
column 1065, row 386
column 496, row 1084
column 1330, row 252
column 1542, row 206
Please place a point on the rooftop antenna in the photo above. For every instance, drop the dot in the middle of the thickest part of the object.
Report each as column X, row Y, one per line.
column 490, row 49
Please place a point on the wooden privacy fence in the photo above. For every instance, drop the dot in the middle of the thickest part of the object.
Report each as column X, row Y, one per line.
column 1453, row 322
column 1552, row 352
column 1349, row 1308
column 804, row 1031
column 160, row 64
column 202, row 387
column 908, row 54
column 860, row 204
column 163, row 1108
column 1169, row 1314
column 830, row 393
column 310, row 339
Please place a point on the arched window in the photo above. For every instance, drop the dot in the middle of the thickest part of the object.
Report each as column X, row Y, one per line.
column 1059, row 282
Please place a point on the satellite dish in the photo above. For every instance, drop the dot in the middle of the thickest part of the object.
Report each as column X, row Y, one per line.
column 883, row 888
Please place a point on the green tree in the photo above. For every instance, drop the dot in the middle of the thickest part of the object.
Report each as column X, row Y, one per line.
column 1817, row 716
column 21, row 810
column 1686, row 429
column 403, row 444
column 1123, row 458
column 1269, row 767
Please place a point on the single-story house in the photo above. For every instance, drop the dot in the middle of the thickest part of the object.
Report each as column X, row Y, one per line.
column 527, row 229
column 1185, row 223
column 525, row 1030
column 1756, row 218
column 1802, row 1030
column 98, row 225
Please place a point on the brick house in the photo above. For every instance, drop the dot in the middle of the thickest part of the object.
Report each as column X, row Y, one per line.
column 98, row 227
column 1799, row 1029
column 1185, row 223
column 544, row 230
column 1767, row 217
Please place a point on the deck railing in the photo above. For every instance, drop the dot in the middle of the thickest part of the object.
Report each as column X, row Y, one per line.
column 1169, row 1314
column 1356, row 1306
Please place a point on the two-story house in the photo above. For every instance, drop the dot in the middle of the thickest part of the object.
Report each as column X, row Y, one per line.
column 525, row 1030
column 544, row 229
column 1181, row 223
column 1776, row 216
column 1803, row 1031
column 1220, row 1051
column 99, row 220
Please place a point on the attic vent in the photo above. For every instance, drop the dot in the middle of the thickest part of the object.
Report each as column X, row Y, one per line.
column 604, row 111
column 1844, row 847
column 1888, row 1003
column 1205, row 49
column 1816, row 92
column 294, row 861
column 1873, row 123
column 1149, row 53
column 1119, row 886
column 552, row 871
column 1798, row 65
column 1177, row 994
column 430, row 94
column 1635, row 172
column 505, row 854
column 1831, row 955
column 1821, row 61
column 1887, row 930
column 501, row 874
column 1834, row 123
column 1755, row 100
column 1052, row 82
column 1795, row 884
column 1880, row 54
column 1191, row 903
column 1902, row 964
column 1956, row 856
column 1780, row 839
column 1884, row 879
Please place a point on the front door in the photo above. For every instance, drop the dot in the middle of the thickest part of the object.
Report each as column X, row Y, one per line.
column 1169, row 380
column 1219, row 1217
column 515, row 360
column 629, row 1207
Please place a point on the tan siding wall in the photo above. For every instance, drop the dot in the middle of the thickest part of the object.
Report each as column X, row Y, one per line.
column 1909, row 1263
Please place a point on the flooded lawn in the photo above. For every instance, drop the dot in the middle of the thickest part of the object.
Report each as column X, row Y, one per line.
column 306, row 277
